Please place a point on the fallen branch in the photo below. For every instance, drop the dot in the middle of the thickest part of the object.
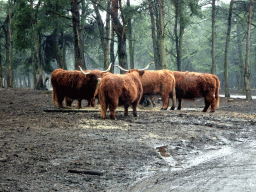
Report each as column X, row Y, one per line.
column 88, row 172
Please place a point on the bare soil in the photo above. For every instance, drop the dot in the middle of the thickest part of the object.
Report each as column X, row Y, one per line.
column 78, row 151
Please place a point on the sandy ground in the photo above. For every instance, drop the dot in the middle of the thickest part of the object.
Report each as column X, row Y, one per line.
column 78, row 151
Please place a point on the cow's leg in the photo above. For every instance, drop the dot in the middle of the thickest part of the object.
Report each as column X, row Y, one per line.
column 173, row 97
column 60, row 99
column 165, row 99
column 88, row 103
column 68, row 101
column 79, row 103
column 103, row 112
column 152, row 98
column 208, row 100
column 212, row 102
column 112, row 108
column 134, row 107
column 126, row 110
column 213, row 107
column 180, row 103
column 93, row 102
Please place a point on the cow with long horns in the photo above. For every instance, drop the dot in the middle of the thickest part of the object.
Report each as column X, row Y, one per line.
column 75, row 85
column 192, row 85
column 120, row 89
column 159, row 82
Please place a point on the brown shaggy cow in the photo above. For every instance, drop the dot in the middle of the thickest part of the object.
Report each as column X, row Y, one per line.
column 191, row 85
column 116, row 89
column 159, row 82
column 73, row 85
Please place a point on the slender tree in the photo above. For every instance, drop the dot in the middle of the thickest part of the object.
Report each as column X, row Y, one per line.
column 213, row 36
column 153, row 34
column 156, row 11
column 7, row 31
column 177, row 42
column 129, row 35
column 107, row 34
column 36, row 46
column 112, row 48
column 120, row 32
column 104, row 31
column 227, row 94
column 160, row 34
column 1, row 68
column 247, row 64
column 183, row 10
column 79, row 58
column 240, row 60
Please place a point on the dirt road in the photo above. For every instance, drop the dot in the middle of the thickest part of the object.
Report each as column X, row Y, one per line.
column 78, row 151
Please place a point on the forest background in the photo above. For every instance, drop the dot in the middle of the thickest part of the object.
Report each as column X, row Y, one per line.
column 216, row 37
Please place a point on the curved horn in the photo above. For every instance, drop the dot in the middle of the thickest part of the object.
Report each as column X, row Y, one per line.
column 146, row 66
column 121, row 68
column 83, row 71
column 108, row 69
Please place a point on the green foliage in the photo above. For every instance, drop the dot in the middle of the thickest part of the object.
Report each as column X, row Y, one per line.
column 21, row 25
column 53, row 21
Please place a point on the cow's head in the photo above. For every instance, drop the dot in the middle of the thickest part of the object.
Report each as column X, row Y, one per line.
column 108, row 69
column 141, row 71
column 103, row 72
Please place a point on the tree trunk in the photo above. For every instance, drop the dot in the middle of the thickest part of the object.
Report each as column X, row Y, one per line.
column 161, row 35
column 11, row 54
column 182, row 30
column 104, row 33
column 213, row 37
column 247, row 64
column 29, row 83
column 227, row 94
column 106, row 42
column 33, row 67
column 81, row 32
column 79, row 61
column 153, row 24
column 129, row 34
column 121, row 34
column 56, row 50
column 1, row 68
column 56, row 40
column 112, row 51
column 178, row 59
column 240, row 59
column 63, row 52
column 8, row 47
column 39, row 84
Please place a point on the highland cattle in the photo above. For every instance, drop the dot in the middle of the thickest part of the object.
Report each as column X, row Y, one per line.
column 192, row 85
column 75, row 85
column 120, row 89
column 159, row 82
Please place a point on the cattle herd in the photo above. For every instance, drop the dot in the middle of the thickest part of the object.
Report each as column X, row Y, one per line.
column 113, row 90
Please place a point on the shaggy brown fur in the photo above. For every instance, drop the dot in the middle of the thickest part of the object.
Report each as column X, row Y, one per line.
column 191, row 85
column 160, row 82
column 74, row 85
column 115, row 89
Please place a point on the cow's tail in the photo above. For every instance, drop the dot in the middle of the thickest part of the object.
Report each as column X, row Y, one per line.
column 54, row 95
column 217, row 92
column 174, row 94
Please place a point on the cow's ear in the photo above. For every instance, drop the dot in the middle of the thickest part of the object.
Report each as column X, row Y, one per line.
column 141, row 72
